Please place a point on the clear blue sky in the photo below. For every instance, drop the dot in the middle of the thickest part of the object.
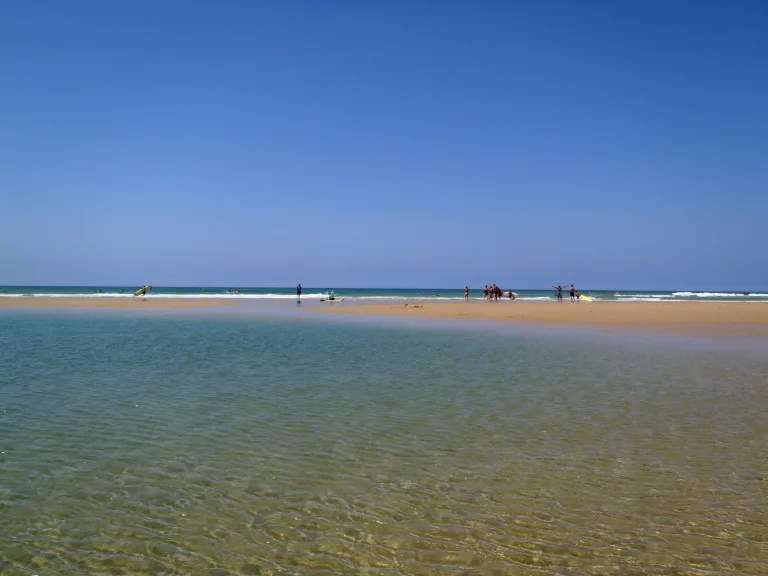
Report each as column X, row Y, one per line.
column 389, row 144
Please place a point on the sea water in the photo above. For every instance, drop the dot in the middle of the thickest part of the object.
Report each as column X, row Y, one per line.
column 371, row 294
column 212, row 444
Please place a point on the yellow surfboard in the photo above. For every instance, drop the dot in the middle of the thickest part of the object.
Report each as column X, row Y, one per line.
column 587, row 298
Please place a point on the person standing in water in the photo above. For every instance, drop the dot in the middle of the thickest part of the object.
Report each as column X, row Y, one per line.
column 573, row 293
column 559, row 294
column 298, row 292
column 466, row 293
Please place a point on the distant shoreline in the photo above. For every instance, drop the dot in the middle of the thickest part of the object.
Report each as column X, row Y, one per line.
column 138, row 302
column 367, row 295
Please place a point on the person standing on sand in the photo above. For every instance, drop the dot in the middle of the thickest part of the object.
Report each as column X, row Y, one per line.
column 573, row 293
column 466, row 293
column 298, row 292
column 559, row 293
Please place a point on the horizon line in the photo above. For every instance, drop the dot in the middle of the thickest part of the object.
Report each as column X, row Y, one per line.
column 240, row 287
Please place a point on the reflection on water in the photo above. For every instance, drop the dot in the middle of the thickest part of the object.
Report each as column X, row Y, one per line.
column 202, row 446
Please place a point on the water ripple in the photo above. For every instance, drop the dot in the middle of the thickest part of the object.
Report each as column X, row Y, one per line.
column 213, row 448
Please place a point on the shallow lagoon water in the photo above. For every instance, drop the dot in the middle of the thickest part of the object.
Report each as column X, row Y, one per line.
column 198, row 442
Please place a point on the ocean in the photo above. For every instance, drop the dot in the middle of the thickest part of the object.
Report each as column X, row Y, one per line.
column 369, row 294
column 207, row 443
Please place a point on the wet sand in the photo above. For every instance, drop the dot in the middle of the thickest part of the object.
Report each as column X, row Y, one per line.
column 39, row 302
column 725, row 317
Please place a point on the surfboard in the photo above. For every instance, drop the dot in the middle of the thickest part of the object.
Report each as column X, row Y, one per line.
column 587, row 298
column 334, row 300
column 142, row 291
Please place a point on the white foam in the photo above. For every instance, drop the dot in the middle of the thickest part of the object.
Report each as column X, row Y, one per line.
column 650, row 296
column 719, row 295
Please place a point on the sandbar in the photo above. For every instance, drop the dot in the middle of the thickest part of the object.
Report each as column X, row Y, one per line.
column 723, row 317
column 42, row 302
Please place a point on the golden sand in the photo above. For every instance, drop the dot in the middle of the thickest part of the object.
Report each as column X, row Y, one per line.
column 730, row 317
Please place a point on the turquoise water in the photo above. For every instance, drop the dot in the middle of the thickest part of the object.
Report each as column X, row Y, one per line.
column 199, row 443
column 370, row 294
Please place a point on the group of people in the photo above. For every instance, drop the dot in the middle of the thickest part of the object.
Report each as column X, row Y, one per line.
column 492, row 294
column 575, row 294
